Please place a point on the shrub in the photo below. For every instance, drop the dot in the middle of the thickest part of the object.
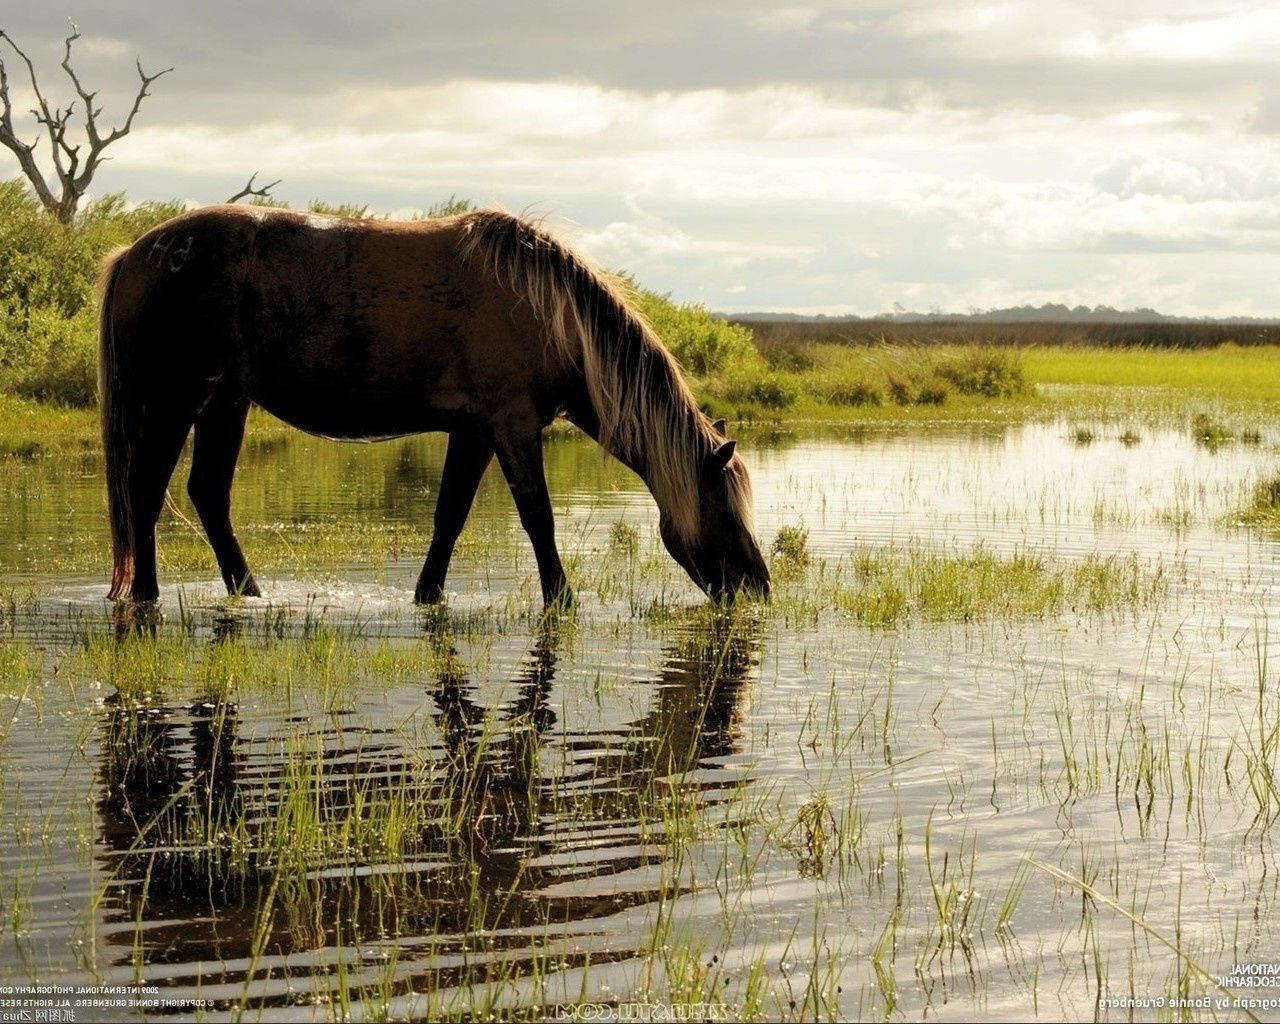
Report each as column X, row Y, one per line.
column 990, row 372
column 794, row 356
column 771, row 391
column 858, row 392
column 917, row 391
column 48, row 271
column 702, row 344
column 48, row 311
column 932, row 392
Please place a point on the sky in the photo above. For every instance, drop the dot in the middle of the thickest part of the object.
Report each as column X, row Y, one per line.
column 813, row 158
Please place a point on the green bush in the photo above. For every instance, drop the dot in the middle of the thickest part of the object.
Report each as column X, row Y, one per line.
column 702, row 344
column 772, row 392
column 857, row 392
column 795, row 357
column 48, row 309
column 913, row 390
column 990, row 372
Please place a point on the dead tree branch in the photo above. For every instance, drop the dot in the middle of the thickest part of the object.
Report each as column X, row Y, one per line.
column 248, row 190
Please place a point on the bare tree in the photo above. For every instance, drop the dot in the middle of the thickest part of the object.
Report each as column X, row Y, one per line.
column 74, row 161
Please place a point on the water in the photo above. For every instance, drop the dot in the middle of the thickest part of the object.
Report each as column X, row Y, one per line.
column 781, row 811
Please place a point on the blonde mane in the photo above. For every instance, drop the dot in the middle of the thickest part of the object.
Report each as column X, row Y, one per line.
column 648, row 418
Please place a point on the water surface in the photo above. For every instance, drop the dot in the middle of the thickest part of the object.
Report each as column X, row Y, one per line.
column 779, row 811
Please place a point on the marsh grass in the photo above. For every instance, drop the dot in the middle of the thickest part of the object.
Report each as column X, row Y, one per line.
column 790, row 551
column 886, row 587
column 1209, row 432
column 816, row 379
column 819, row 381
column 1263, row 508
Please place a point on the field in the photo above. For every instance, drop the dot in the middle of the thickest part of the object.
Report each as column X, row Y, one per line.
column 1004, row 741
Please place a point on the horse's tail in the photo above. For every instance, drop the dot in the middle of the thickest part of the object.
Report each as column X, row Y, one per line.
column 119, row 428
column 642, row 403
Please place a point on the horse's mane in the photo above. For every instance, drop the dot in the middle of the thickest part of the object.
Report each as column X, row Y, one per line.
column 647, row 415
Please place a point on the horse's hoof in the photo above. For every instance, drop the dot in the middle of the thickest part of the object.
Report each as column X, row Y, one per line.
column 559, row 601
column 246, row 588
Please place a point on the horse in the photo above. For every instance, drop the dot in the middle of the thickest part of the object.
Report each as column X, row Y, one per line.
column 482, row 325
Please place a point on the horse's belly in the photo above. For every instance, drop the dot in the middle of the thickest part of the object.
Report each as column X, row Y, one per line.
column 357, row 408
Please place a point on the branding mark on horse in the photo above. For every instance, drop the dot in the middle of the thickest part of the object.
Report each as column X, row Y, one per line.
column 163, row 253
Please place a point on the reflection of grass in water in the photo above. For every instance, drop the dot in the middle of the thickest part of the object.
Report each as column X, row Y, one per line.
column 313, row 816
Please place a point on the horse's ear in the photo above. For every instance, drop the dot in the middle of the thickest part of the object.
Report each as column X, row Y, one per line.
column 720, row 427
column 719, row 458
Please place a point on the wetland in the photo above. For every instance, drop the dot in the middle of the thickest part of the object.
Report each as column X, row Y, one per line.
column 1004, row 740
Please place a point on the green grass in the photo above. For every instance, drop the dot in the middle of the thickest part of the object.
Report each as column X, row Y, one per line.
column 1264, row 509
column 31, row 429
column 1228, row 373
column 841, row 382
column 889, row 586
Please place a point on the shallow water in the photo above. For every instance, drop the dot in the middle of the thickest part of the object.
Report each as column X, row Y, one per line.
column 779, row 811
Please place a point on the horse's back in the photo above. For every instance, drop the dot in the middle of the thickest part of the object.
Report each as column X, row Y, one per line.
column 358, row 328
column 346, row 327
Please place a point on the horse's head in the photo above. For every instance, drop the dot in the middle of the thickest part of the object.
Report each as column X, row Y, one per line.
column 722, row 556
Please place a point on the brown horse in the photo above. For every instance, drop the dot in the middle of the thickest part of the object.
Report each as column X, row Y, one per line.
column 481, row 325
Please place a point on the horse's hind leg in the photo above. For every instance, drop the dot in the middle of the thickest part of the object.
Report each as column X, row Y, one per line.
column 518, row 440
column 219, row 433
column 150, row 466
column 468, row 456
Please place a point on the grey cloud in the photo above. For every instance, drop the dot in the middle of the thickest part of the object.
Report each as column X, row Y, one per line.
column 239, row 61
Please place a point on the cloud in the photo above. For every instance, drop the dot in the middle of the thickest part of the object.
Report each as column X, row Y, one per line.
column 624, row 242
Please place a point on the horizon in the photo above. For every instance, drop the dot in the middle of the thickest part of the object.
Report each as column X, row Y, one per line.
column 832, row 159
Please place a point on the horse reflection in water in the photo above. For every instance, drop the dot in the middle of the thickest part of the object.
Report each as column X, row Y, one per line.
column 524, row 833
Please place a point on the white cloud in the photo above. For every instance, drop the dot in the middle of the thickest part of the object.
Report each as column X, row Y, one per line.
column 785, row 19
column 1251, row 33
column 620, row 242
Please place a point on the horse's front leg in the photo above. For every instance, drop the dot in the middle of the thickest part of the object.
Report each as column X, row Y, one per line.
column 518, row 440
column 468, row 456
